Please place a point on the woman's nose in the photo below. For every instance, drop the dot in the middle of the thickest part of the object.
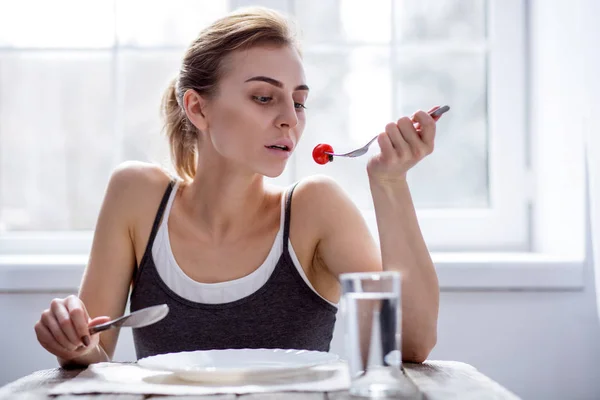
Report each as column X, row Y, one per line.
column 288, row 117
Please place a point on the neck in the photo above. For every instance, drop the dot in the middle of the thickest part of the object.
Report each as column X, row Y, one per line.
column 225, row 204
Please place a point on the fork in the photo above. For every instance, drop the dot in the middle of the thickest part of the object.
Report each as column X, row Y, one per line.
column 362, row 150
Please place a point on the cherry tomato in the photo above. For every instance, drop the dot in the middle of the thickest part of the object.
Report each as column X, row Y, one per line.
column 319, row 153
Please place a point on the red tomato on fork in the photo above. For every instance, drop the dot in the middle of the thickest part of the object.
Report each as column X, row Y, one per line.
column 319, row 153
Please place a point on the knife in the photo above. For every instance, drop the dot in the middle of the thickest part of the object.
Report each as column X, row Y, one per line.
column 137, row 319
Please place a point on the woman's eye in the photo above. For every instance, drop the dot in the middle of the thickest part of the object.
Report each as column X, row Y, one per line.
column 299, row 106
column 262, row 99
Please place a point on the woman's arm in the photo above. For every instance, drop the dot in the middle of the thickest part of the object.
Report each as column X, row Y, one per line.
column 403, row 249
column 63, row 328
column 346, row 245
column 106, row 281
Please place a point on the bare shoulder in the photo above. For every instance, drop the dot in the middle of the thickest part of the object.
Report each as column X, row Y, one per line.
column 138, row 175
column 343, row 241
column 321, row 200
column 313, row 185
column 318, row 189
column 134, row 187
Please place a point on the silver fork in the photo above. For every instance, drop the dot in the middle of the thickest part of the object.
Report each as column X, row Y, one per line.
column 362, row 150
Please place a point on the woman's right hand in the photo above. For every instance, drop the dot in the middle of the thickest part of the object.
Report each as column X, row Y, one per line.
column 63, row 329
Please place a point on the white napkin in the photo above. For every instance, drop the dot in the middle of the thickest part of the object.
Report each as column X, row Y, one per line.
column 133, row 379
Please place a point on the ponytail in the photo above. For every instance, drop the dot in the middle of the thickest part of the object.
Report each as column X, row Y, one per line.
column 182, row 140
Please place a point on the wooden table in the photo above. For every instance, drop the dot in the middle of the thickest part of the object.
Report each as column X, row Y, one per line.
column 436, row 380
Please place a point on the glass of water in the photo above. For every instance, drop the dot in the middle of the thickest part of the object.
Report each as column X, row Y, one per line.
column 371, row 310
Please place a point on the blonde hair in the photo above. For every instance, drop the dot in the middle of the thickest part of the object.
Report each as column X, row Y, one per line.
column 202, row 67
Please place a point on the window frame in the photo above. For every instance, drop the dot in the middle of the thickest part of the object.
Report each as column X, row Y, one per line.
column 505, row 225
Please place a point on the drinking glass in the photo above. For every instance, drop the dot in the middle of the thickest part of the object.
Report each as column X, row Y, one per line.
column 371, row 309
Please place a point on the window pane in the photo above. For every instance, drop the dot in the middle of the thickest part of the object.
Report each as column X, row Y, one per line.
column 279, row 5
column 143, row 77
column 56, row 140
column 175, row 23
column 456, row 174
column 418, row 20
column 57, row 23
column 349, row 103
column 344, row 21
column 68, row 118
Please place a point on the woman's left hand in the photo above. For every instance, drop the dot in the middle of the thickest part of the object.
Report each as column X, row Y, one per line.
column 403, row 145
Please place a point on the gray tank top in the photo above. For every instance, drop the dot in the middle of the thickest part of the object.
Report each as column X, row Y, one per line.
column 284, row 313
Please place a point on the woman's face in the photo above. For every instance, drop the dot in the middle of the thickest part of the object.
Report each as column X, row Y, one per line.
column 257, row 116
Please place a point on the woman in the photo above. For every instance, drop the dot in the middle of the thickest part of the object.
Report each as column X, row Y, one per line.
column 223, row 250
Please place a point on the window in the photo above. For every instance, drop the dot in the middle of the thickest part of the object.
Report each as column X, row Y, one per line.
column 81, row 93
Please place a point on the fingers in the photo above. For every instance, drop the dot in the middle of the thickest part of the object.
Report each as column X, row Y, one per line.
column 435, row 118
column 79, row 319
column 61, row 314
column 427, row 128
column 385, row 144
column 403, row 144
column 432, row 109
column 48, row 342
column 417, row 148
column 398, row 142
column 49, row 321
column 409, row 133
column 98, row 321
column 63, row 328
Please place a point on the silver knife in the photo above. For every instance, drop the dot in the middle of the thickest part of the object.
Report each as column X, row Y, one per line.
column 137, row 319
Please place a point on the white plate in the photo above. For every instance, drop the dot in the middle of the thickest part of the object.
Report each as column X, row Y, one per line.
column 237, row 365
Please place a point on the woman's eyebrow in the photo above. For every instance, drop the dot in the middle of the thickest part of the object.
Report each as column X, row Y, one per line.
column 274, row 82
